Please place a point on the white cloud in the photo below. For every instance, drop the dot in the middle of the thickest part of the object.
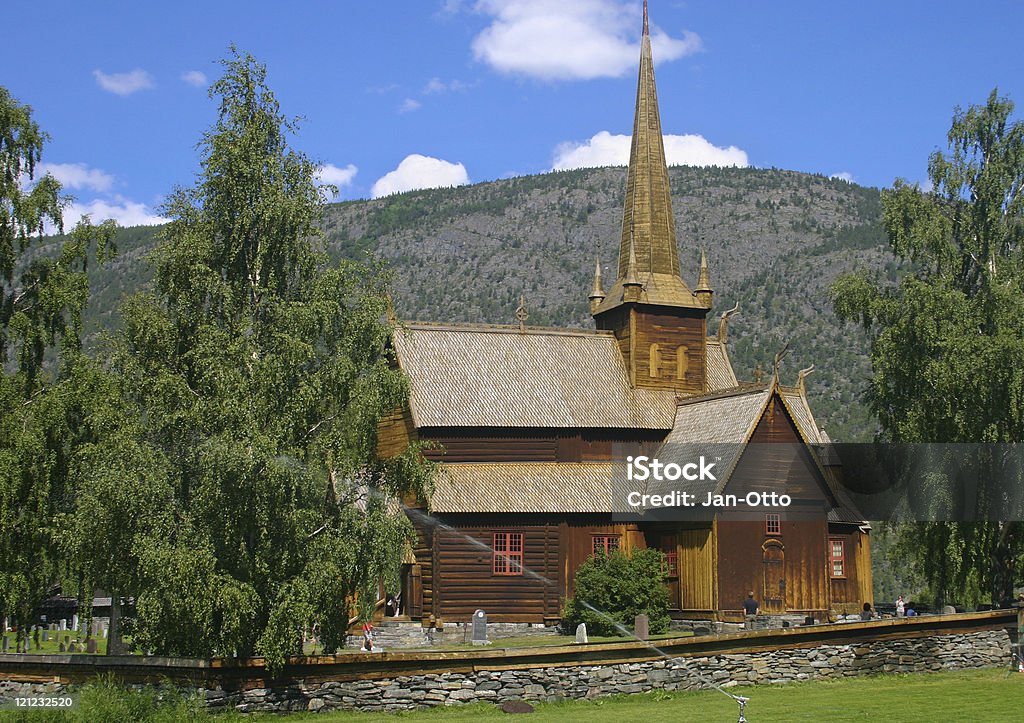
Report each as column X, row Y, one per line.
column 417, row 171
column 436, row 85
column 843, row 176
column 605, row 149
column 122, row 210
column 575, row 40
column 340, row 177
column 124, row 83
column 78, row 176
column 195, row 77
column 409, row 105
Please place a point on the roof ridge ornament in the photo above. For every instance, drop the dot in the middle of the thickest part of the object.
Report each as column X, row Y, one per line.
column 521, row 313
column 647, row 30
column 801, row 380
column 723, row 323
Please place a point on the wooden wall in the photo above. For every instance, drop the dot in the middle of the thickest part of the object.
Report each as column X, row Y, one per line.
column 638, row 327
column 457, row 564
column 851, row 592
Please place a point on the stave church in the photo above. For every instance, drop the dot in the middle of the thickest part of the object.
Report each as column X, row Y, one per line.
column 528, row 425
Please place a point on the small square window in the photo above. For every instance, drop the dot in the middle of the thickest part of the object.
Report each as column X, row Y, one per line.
column 772, row 524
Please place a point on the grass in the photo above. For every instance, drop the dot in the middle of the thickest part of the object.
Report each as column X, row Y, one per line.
column 52, row 646
column 977, row 695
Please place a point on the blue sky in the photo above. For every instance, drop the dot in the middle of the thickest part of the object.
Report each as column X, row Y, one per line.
column 440, row 92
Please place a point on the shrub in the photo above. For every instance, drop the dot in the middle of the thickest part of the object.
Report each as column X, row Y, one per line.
column 611, row 590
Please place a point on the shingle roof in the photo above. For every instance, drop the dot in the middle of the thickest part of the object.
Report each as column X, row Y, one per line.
column 501, row 376
column 524, row 487
column 481, row 376
column 720, row 374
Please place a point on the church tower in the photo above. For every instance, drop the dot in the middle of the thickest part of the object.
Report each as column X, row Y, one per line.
column 659, row 322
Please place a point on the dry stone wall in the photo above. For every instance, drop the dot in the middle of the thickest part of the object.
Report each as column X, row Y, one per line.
column 979, row 649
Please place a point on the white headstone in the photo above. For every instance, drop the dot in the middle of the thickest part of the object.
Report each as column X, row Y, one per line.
column 74, row 621
column 581, row 633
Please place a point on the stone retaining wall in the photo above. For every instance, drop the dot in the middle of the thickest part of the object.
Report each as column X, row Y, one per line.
column 688, row 671
column 948, row 652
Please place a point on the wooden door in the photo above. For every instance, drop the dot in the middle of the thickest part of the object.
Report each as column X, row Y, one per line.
column 773, row 566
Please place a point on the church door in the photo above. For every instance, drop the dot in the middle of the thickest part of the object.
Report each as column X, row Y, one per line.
column 774, row 571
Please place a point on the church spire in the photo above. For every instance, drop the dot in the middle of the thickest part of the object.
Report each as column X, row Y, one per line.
column 597, row 293
column 648, row 228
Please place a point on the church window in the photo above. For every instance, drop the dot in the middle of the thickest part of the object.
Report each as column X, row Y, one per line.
column 654, row 361
column 837, row 558
column 604, row 544
column 772, row 525
column 508, row 553
column 672, row 564
column 682, row 362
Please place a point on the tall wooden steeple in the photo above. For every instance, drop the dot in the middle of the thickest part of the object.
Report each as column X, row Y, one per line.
column 659, row 321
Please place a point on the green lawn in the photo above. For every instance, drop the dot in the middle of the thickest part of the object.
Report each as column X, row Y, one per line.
column 52, row 646
column 986, row 695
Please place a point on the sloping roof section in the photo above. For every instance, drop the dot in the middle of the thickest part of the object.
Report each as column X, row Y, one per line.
column 501, row 376
column 797, row 405
column 720, row 375
column 524, row 487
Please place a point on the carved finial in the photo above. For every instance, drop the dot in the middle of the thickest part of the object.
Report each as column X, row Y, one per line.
column 521, row 314
column 647, row 30
column 631, row 285
column 801, row 379
column 723, row 323
column 703, row 290
column 778, row 360
column 596, row 293
column 758, row 373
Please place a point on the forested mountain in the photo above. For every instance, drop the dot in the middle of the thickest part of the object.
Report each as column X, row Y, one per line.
column 775, row 241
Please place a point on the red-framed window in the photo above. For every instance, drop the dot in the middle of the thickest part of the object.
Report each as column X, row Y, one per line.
column 672, row 564
column 772, row 524
column 604, row 544
column 837, row 558
column 508, row 553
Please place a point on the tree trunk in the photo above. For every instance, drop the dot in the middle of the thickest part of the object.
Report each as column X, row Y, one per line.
column 1004, row 564
column 115, row 646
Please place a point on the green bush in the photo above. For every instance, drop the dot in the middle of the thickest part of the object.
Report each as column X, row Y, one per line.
column 611, row 590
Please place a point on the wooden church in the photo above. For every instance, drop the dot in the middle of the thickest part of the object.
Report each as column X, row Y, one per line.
column 529, row 423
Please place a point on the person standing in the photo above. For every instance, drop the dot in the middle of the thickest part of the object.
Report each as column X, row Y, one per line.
column 750, row 610
column 901, row 607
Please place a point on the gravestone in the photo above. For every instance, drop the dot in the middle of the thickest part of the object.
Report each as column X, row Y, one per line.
column 642, row 627
column 63, row 623
column 948, row 610
column 61, row 648
column 95, row 627
column 90, row 645
column 6, row 645
column 104, row 631
column 74, row 621
column 46, row 635
column 480, row 628
column 67, row 642
column 581, row 633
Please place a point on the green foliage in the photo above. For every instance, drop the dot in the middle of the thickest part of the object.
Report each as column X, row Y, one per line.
column 43, row 406
column 611, row 590
column 259, row 371
column 947, row 345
